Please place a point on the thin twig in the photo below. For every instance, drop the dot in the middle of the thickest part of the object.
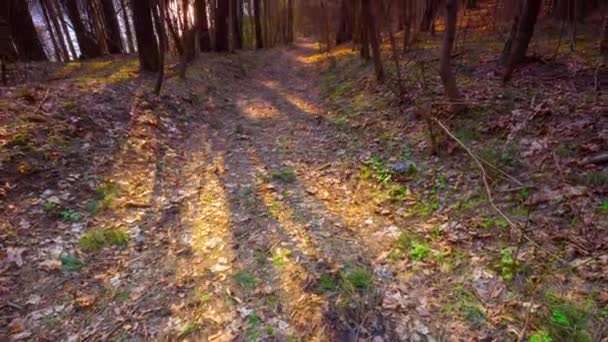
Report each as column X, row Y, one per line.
column 46, row 94
column 489, row 191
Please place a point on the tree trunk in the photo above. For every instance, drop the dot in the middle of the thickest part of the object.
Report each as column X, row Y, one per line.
column 506, row 51
column 158, row 12
column 290, row 22
column 407, row 22
column 23, row 31
column 525, row 30
column 49, row 27
column 112, row 29
column 237, row 30
column 147, row 45
column 88, row 46
column 57, row 29
column 259, row 43
column 373, row 38
column 174, row 34
column 125, row 18
column 221, row 26
column 204, row 39
column 445, row 70
column 59, row 12
column 430, row 12
column 345, row 31
column 604, row 42
column 364, row 36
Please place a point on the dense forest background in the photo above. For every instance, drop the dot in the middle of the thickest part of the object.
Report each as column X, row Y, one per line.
column 304, row 170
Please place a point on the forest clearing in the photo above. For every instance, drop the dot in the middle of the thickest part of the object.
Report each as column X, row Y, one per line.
column 304, row 170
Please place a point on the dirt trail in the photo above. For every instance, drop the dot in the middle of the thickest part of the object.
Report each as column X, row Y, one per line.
column 247, row 223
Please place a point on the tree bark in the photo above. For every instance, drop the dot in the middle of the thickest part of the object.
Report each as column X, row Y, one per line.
column 23, row 31
column 259, row 43
column 221, row 26
column 147, row 45
column 88, row 46
column 112, row 29
column 158, row 13
column 430, row 12
column 445, row 70
column 345, row 30
column 525, row 30
column 125, row 18
column 204, row 39
column 290, row 27
column 506, row 51
column 237, row 30
column 59, row 12
column 57, row 29
column 373, row 39
column 49, row 27
column 364, row 33
column 604, row 42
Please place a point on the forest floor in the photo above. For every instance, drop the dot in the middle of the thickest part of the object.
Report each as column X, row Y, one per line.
column 284, row 195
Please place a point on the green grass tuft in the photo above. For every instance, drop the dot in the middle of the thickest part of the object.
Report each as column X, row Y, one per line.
column 287, row 175
column 245, row 279
column 101, row 237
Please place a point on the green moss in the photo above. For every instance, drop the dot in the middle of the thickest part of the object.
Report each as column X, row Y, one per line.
column 326, row 283
column 287, row 175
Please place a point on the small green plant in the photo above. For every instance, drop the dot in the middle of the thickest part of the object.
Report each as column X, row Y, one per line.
column 70, row 263
column 245, row 279
column 355, row 279
column 270, row 331
column 50, row 207
column 467, row 305
column 376, row 168
column 540, row 336
column 568, row 320
column 326, row 283
column 70, row 215
column 494, row 222
column 278, row 260
column 20, row 139
column 524, row 193
column 189, row 329
column 419, row 251
column 507, row 264
column 473, row 313
column 604, row 206
column 286, row 175
column 101, row 237
column 339, row 120
column 424, row 208
column 397, row 193
column 253, row 327
column 105, row 195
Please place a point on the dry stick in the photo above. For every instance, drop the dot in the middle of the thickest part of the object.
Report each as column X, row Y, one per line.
column 46, row 94
column 489, row 191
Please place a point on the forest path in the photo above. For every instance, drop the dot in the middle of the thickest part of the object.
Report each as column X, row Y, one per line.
column 304, row 234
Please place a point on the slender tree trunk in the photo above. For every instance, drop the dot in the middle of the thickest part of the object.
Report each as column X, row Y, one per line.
column 158, row 12
column 430, row 12
column 171, row 24
column 259, row 43
column 525, row 30
column 290, row 27
column 58, row 10
column 387, row 25
column 345, row 31
column 373, row 39
column 445, row 70
column 604, row 42
column 88, row 46
column 23, row 31
column 49, row 27
column 364, row 35
column 221, row 26
column 125, row 18
column 506, row 51
column 112, row 29
column 237, row 31
column 204, row 39
column 147, row 45
column 60, row 36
